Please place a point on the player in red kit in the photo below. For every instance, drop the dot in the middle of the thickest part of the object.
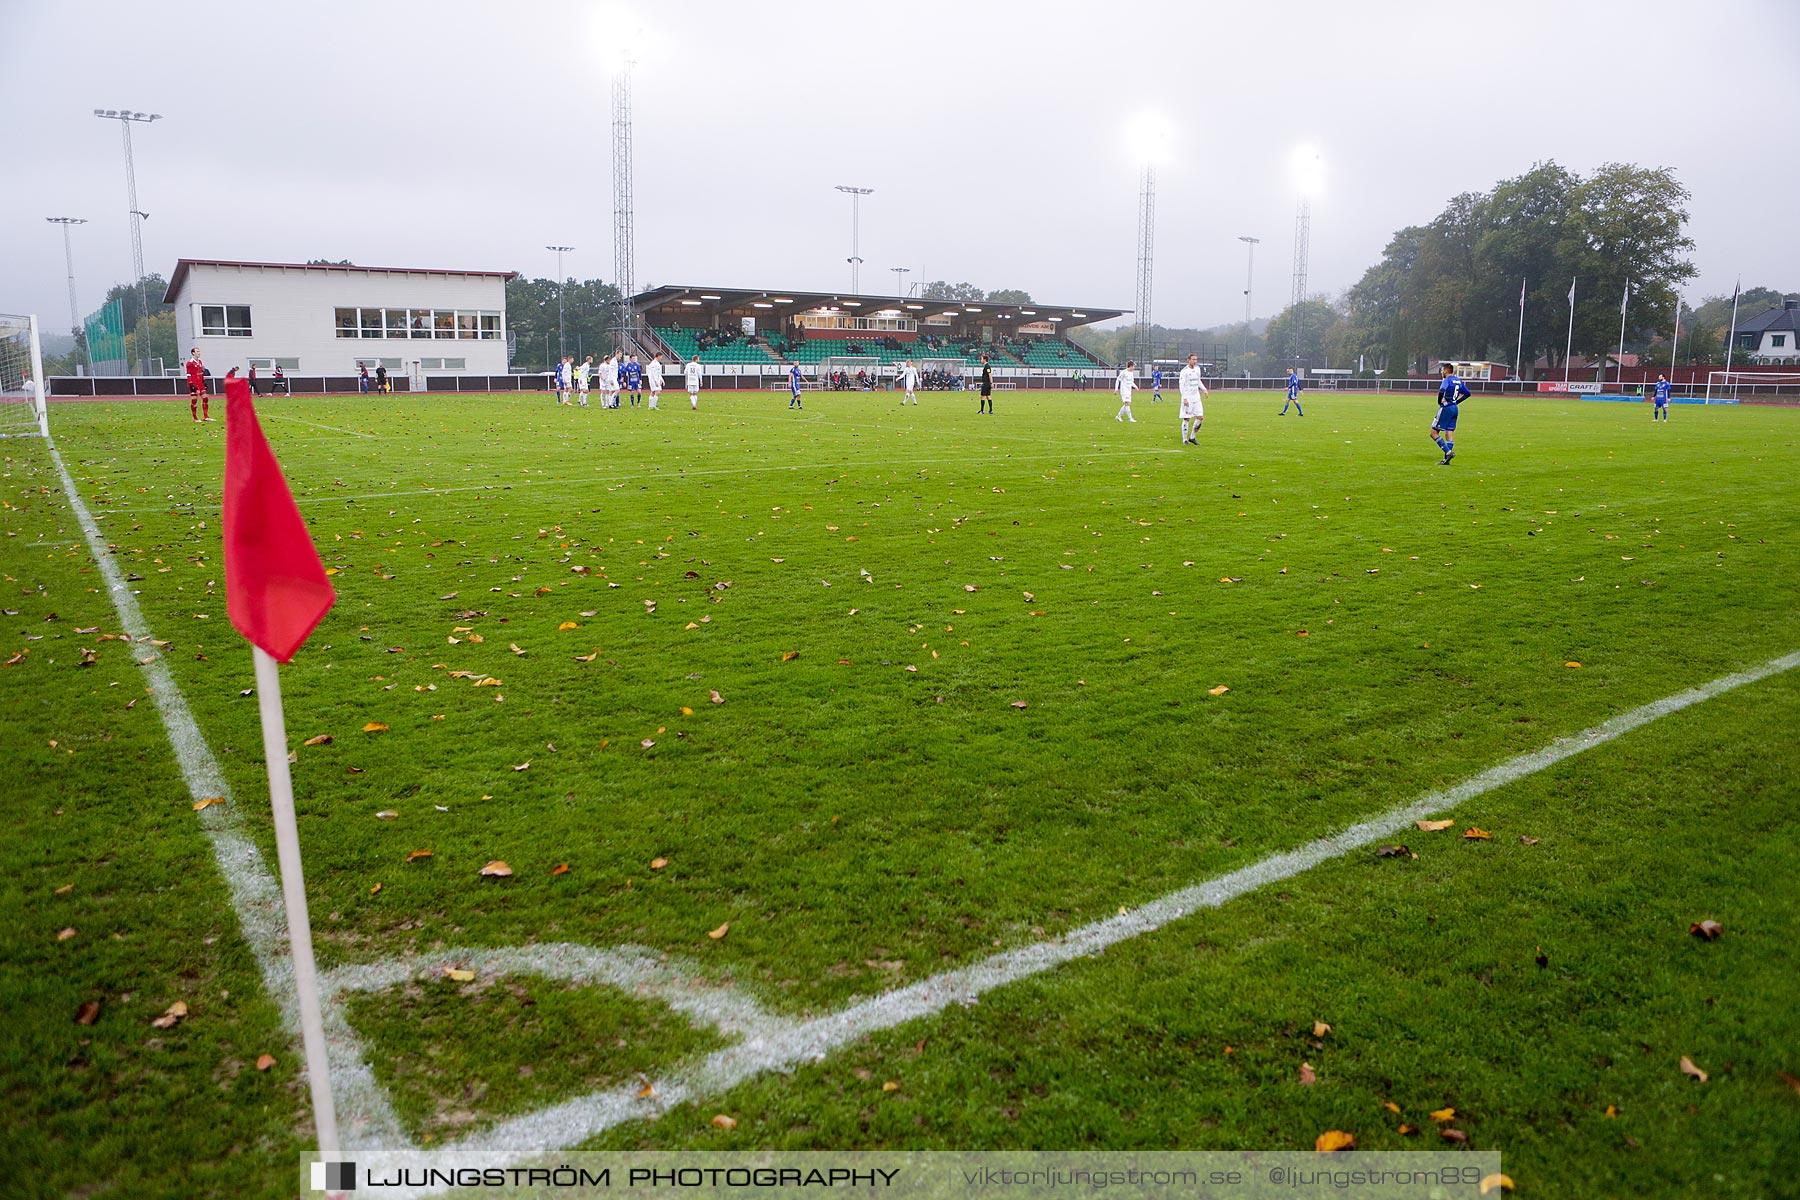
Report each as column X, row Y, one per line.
column 197, row 397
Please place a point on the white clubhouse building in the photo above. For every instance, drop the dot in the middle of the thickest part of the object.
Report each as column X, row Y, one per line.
column 329, row 320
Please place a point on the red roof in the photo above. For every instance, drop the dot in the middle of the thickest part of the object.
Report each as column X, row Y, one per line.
column 182, row 265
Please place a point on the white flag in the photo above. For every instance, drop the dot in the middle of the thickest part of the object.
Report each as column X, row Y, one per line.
column 1571, row 292
column 1625, row 299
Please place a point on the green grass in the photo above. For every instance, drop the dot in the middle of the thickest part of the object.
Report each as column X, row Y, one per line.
column 860, row 825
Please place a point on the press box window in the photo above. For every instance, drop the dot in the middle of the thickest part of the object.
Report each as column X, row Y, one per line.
column 224, row 320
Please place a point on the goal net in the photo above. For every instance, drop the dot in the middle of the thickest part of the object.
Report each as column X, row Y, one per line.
column 22, row 409
column 1734, row 385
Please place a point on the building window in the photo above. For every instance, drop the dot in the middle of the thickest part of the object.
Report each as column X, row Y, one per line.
column 466, row 325
column 444, row 324
column 224, row 320
column 490, row 326
column 1778, row 341
column 396, row 322
column 346, row 322
column 372, row 326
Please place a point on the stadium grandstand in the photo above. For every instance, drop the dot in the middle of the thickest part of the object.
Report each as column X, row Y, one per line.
column 753, row 330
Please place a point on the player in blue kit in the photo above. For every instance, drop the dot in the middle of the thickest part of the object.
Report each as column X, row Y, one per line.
column 1661, row 410
column 1156, row 385
column 1451, row 393
column 1293, row 395
column 632, row 375
column 794, row 386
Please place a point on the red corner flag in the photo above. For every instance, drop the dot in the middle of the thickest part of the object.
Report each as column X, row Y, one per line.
column 275, row 585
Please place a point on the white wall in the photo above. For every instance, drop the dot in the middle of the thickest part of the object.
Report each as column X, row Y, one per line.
column 293, row 315
column 1769, row 350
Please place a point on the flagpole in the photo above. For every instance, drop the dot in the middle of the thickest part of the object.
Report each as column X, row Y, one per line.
column 1675, row 342
column 1569, row 346
column 1519, row 350
column 1731, row 338
column 1623, row 301
column 293, row 895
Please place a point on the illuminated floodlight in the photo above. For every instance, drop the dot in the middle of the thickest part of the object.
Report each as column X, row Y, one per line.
column 1149, row 137
column 760, row 304
column 625, row 41
column 1309, row 171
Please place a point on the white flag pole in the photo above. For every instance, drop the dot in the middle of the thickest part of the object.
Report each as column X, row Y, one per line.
column 1519, row 350
column 1569, row 345
column 293, row 895
column 1623, row 301
column 1675, row 342
column 1731, row 338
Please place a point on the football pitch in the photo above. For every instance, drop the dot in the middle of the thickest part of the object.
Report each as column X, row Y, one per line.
column 851, row 766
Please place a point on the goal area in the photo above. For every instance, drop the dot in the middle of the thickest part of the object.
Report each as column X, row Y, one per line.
column 1733, row 385
column 23, row 412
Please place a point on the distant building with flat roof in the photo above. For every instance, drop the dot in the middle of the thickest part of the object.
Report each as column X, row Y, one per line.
column 322, row 319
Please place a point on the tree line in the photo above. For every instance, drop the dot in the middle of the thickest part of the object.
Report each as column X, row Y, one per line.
column 1451, row 288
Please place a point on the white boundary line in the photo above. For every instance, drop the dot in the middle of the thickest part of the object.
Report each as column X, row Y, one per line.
column 766, row 1042
column 316, row 425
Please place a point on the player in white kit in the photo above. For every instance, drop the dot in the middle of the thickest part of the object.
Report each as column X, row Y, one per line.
column 653, row 371
column 1126, row 381
column 1193, row 397
column 609, row 381
column 909, row 379
column 582, row 373
column 692, row 371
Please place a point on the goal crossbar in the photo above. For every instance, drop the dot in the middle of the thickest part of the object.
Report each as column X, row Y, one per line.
column 1730, row 383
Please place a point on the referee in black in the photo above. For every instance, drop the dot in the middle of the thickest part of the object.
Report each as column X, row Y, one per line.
column 987, row 388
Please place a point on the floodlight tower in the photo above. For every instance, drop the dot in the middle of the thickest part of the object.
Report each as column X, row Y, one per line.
column 1250, row 244
column 125, row 118
column 69, row 261
column 1307, row 166
column 899, row 279
column 562, row 341
column 1148, row 137
column 855, row 260
column 624, row 231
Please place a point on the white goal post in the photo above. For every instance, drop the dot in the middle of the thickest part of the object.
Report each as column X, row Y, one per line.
column 1729, row 383
column 23, row 411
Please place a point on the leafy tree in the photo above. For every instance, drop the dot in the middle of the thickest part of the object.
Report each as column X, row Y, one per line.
column 329, row 262
column 937, row 289
column 1010, row 296
column 588, row 325
column 1305, row 326
column 1451, row 288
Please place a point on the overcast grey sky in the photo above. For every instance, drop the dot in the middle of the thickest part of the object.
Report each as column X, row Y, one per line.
column 458, row 134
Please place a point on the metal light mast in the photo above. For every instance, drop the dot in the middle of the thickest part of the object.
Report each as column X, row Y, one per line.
column 855, row 260
column 1302, row 251
column 1250, row 244
column 624, row 232
column 899, row 279
column 562, row 341
column 1146, row 264
column 69, row 261
column 125, row 117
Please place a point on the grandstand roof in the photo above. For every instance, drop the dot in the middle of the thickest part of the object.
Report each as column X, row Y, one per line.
column 775, row 304
column 182, row 265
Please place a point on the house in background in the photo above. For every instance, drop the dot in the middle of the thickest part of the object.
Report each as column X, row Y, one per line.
column 1771, row 336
